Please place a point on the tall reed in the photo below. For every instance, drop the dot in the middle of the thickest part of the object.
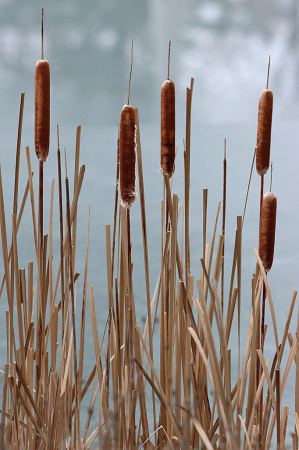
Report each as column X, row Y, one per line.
column 195, row 400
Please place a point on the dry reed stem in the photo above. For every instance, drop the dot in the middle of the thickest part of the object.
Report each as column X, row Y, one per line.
column 297, row 369
column 171, row 415
column 284, row 422
column 4, row 402
column 249, row 337
column 90, row 410
column 109, row 268
column 50, row 261
column 256, row 402
column 4, row 242
column 72, row 214
column 223, row 411
column 22, row 400
column 245, row 432
column 130, row 314
column 212, row 246
column 60, row 234
column 170, row 209
column 18, row 293
column 98, row 359
column 32, row 205
column 223, row 222
column 282, row 387
column 18, row 224
column 271, row 307
column 204, row 222
column 145, row 245
column 223, row 347
column 239, row 283
column 253, row 359
column 141, row 391
column 200, row 430
column 51, row 299
column 248, row 186
column 115, row 205
column 278, row 403
column 187, row 356
column 186, row 380
column 269, row 382
column 164, row 237
column 76, row 177
column 296, row 420
column 83, row 313
column 295, row 440
column 18, row 151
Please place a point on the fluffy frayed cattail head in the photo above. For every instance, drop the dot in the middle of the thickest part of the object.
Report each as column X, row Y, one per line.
column 42, row 109
column 167, row 127
column 267, row 229
column 127, row 156
column 264, row 131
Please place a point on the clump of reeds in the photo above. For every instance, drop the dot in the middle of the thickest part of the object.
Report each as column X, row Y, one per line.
column 42, row 389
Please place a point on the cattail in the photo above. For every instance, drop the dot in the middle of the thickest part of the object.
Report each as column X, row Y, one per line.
column 168, row 124
column 127, row 156
column 42, row 109
column 267, row 229
column 42, row 104
column 264, row 131
column 167, row 127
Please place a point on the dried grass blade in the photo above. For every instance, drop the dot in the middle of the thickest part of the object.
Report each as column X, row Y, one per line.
column 29, row 395
column 76, row 176
column 90, row 410
column 17, row 166
column 245, row 431
column 98, row 356
column 31, row 417
column 271, row 306
column 4, row 241
column 32, row 204
column 270, row 387
column 200, row 430
column 200, row 348
column 175, row 424
column 18, row 291
column 91, row 438
column 296, row 420
column 145, row 245
column 4, row 401
column 72, row 213
column 256, row 401
column 83, row 313
column 212, row 244
column 18, row 224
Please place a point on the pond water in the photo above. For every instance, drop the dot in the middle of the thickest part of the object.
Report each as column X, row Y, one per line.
column 225, row 46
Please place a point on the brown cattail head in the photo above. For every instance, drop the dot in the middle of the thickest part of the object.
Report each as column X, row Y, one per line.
column 264, row 131
column 267, row 229
column 42, row 109
column 167, row 127
column 127, row 156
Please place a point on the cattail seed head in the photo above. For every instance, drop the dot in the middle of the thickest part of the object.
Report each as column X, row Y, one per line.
column 167, row 127
column 42, row 109
column 127, row 156
column 264, row 131
column 267, row 229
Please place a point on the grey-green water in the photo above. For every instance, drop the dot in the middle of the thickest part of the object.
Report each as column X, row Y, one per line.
column 225, row 47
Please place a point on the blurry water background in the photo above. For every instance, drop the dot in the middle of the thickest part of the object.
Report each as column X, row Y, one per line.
column 225, row 46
